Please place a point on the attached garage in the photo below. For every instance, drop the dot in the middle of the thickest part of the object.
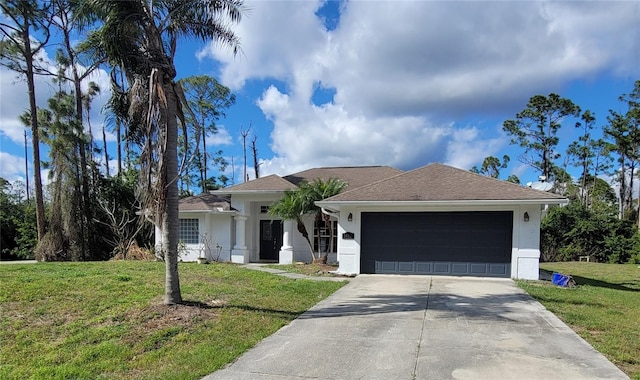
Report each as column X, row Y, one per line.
column 442, row 243
column 440, row 220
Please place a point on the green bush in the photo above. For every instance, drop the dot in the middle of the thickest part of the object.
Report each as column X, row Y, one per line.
column 573, row 231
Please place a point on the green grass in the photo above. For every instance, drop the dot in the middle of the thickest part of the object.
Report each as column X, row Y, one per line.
column 604, row 307
column 105, row 320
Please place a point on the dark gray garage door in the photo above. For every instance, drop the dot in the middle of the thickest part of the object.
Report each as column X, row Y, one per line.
column 446, row 243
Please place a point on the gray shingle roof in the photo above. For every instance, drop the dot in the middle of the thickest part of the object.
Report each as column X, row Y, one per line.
column 438, row 182
column 205, row 202
column 268, row 183
column 355, row 176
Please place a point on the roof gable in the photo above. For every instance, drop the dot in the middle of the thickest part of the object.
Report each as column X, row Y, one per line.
column 438, row 182
column 354, row 176
column 269, row 183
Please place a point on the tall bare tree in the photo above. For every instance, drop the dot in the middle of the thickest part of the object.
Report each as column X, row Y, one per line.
column 254, row 152
column 244, row 133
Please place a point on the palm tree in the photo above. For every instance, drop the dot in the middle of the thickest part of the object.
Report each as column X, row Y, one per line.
column 292, row 206
column 142, row 36
column 317, row 191
column 295, row 204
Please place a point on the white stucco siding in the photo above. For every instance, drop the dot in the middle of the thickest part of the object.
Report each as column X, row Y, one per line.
column 349, row 249
column 214, row 240
column 299, row 243
column 525, row 235
column 525, row 255
column 189, row 252
column 218, row 236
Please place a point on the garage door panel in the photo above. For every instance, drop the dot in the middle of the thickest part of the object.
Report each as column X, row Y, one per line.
column 499, row 270
column 454, row 243
column 478, row 269
column 406, row 267
column 442, row 268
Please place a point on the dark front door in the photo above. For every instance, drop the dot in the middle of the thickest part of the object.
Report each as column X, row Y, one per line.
column 270, row 239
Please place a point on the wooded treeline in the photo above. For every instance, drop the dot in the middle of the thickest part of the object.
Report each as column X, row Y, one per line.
column 88, row 210
column 603, row 215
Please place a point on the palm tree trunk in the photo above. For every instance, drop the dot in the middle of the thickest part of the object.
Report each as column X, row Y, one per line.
column 303, row 231
column 170, row 221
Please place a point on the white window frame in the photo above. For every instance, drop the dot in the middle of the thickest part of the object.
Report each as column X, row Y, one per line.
column 324, row 236
column 190, row 231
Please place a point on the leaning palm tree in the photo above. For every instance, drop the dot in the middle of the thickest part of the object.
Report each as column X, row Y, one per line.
column 295, row 204
column 317, row 191
column 141, row 37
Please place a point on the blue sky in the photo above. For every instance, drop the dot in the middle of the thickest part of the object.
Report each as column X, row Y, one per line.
column 402, row 83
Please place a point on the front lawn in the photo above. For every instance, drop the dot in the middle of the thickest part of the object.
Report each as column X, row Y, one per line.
column 604, row 307
column 105, row 320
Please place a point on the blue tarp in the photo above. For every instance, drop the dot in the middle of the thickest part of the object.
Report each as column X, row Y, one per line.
column 561, row 280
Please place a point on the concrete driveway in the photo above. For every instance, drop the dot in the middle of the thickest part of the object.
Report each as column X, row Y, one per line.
column 423, row 327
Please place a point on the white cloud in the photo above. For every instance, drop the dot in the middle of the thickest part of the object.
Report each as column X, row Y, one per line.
column 276, row 37
column 405, row 72
column 12, row 167
column 329, row 136
column 222, row 137
column 466, row 148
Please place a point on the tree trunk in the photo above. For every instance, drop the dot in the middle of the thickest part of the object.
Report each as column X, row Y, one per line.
column 35, row 139
column 638, row 210
column 303, row 231
column 106, row 152
column 84, row 174
column 632, row 170
column 256, row 165
column 623, row 188
column 119, row 144
column 26, row 165
column 204, row 156
column 170, row 221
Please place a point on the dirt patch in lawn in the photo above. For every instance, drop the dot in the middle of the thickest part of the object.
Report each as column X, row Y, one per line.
column 183, row 315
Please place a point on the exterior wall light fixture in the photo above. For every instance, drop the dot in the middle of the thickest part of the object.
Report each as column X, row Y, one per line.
column 526, row 216
column 350, row 217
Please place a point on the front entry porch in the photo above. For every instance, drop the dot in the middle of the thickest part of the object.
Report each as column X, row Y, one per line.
column 272, row 243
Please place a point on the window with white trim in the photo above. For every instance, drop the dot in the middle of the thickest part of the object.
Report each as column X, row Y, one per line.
column 322, row 235
column 189, row 231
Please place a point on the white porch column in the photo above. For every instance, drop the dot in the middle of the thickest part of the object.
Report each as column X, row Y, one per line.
column 286, row 252
column 240, row 253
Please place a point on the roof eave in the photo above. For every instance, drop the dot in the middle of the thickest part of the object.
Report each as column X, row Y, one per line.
column 244, row 192
column 230, row 212
column 476, row 202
